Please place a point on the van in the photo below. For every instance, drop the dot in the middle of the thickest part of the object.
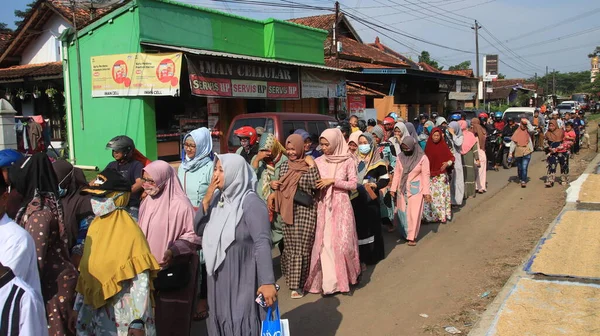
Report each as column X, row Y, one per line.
column 281, row 124
column 516, row 112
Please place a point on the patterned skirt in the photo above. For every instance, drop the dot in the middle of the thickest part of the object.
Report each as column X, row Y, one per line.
column 440, row 209
column 298, row 240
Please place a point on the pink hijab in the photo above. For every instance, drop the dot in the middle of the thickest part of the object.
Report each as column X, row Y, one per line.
column 169, row 215
column 469, row 138
column 338, row 144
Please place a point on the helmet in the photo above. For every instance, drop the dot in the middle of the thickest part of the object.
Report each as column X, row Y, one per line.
column 121, row 143
column 393, row 115
column 362, row 125
column 455, row 117
column 372, row 122
column 344, row 126
column 483, row 115
column 421, row 116
column 247, row 132
column 8, row 157
column 498, row 115
column 388, row 120
column 434, row 115
column 510, row 119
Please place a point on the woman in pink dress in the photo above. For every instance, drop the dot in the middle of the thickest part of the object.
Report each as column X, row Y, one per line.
column 411, row 186
column 334, row 262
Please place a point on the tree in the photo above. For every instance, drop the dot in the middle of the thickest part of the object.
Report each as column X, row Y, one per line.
column 595, row 53
column 4, row 28
column 466, row 65
column 426, row 58
column 23, row 14
column 501, row 76
column 566, row 83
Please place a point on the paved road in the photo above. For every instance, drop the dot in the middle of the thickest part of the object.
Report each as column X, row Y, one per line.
column 445, row 274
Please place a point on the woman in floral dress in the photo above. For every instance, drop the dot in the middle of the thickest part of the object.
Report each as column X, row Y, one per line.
column 334, row 262
column 441, row 160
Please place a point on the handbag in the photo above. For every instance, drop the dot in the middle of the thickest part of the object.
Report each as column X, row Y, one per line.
column 174, row 277
column 303, row 198
column 274, row 326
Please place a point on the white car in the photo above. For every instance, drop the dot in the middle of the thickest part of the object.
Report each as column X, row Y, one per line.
column 516, row 112
column 567, row 106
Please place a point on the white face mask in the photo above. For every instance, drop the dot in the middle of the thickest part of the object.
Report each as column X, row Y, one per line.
column 103, row 206
column 364, row 149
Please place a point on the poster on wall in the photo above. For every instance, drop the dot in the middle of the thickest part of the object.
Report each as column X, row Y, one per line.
column 357, row 106
column 317, row 84
column 136, row 74
column 212, row 77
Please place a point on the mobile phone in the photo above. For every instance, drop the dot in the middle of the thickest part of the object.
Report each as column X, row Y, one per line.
column 260, row 299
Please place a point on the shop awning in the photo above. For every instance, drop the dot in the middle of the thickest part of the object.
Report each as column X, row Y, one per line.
column 203, row 52
column 462, row 95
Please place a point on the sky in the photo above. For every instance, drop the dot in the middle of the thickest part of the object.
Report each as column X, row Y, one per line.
column 528, row 35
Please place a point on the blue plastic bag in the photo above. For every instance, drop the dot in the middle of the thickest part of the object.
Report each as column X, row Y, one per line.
column 273, row 325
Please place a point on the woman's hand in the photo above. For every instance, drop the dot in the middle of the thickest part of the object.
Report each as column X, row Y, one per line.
column 275, row 185
column 428, row 198
column 167, row 259
column 451, row 130
column 73, row 321
column 477, row 163
column 324, row 183
column 310, row 161
column 393, row 194
column 212, row 187
column 262, row 155
column 269, row 292
column 271, row 202
column 444, row 166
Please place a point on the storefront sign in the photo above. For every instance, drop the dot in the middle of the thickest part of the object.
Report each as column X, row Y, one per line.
column 317, row 84
column 136, row 75
column 357, row 105
column 231, row 78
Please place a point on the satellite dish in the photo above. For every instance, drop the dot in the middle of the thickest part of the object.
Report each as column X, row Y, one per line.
column 90, row 4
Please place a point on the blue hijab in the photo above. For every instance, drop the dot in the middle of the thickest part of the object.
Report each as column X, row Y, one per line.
column 204, row 154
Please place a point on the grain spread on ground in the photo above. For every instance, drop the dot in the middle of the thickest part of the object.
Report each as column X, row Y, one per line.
column 590, row 190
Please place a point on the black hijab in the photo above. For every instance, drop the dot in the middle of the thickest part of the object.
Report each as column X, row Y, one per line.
column 75, row 205
column 33, row 173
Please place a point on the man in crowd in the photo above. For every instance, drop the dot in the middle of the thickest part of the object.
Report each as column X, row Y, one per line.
column 248, row 142
column 539, row 123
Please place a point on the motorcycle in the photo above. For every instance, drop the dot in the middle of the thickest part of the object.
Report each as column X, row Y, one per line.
column 506, row 141
column 492, row 146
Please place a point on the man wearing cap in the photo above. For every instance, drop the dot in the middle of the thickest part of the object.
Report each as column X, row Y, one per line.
column 388, row 126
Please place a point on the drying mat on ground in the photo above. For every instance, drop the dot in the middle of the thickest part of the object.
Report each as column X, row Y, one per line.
column 546, row 308
column 590, row 189
column 572, row 248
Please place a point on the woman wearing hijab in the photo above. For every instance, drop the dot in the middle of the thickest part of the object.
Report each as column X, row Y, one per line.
column 410, row 186
column 457, row 188
column 334, row 262
column 77, row 208
column 481, row 172
column 233, row 222
column 353, row 143
column 294, row 201
column 372, row 176
column 440, row 163
column 267, row 166
column 412, row 131
column 114, row 290
column 470, row 158
column 167, row 220
column 194, row 173
column 557, row 153
column 427, row 127
column 521, row 148
column 388, row 153
column 41, row 215
column 400, row 132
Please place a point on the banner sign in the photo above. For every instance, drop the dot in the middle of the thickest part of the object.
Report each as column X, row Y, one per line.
column 233, row 78
column 316, row 84
column 357, row 105
column 490, row 63
column 136, row 74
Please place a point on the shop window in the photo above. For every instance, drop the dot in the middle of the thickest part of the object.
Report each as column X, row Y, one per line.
column 315, row 128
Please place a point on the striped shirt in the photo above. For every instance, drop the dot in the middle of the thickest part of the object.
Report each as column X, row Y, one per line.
column 22, row 312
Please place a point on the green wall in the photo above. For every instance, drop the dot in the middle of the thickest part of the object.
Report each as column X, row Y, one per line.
column 288, row 41
column 105, row 118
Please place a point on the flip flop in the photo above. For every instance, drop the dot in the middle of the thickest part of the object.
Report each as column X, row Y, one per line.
column 200, row 316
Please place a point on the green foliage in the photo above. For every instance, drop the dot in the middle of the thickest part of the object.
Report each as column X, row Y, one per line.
column 425, row 57
column 4, row 27
column 595, row 53
column 22, row 14
column 495, row 107
column 566, row 83
column 466, row 65
column 501, row 76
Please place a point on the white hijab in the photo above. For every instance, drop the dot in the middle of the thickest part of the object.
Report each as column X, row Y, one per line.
column 219, row 233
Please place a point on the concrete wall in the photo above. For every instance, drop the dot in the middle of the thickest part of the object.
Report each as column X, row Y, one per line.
column 46, row 47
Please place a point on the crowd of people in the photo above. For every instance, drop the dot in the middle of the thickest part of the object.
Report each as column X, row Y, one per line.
column 144, row 249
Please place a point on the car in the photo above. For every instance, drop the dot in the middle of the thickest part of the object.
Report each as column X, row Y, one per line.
column 281, row 124
column 517, row 112
column 567, row 106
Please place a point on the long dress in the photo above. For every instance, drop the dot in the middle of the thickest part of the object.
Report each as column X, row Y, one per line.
column 367, row 214
column 469, row 171
column 299, row 237
column 481, row 182
column 247, row 266
column 334, row 262
column 457, row 188
column 439, row 210
column 267, row 173
column 409, row 202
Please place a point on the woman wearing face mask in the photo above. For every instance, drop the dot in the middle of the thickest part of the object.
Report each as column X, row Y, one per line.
column 77, row 207
column 41, row 214
column 388, row 153
column 236, row 239
column 267, row 165
column 440, row 162
column 334, row 262
column 114, row 290
column 167, row 220
column 411, row 186
column 195, row 172
column 373, row 176
column 294, row 201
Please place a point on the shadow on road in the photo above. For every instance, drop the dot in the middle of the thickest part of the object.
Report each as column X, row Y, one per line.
column 323, row 315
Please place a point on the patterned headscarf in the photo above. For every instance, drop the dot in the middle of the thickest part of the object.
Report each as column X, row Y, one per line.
column 270, row 143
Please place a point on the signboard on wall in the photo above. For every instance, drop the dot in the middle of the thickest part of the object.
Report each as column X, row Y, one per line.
column 232, row 78
column 317, row 84
column 357, row 105
column 136, row 74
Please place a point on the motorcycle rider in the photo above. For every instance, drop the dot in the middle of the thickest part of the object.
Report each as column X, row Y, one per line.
column 510, row 128
column 578, row 126
column 434, row 116
column 370, row 124
column 499, row 124
column 539, row 123
column 388, row 126
column 248, row 142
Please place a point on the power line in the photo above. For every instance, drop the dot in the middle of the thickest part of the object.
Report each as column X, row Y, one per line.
column 523, row 61
column 582, row 32
column 452, row 11
column 500, row 60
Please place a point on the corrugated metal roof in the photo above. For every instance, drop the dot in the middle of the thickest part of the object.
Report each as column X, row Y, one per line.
column 244, row 57
column 461, row 95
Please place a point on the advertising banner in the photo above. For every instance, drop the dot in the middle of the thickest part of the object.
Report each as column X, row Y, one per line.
column 490, row 65
column 232, row 78
column 357, row 106
column 136, row 74
column 317, row 84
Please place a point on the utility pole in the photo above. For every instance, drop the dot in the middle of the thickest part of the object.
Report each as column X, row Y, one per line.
column 554, row 82
column 476, row 28
column 547, row 87
column 536, row 88
column 335, row 33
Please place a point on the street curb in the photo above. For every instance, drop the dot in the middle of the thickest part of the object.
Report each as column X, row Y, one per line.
column 487, row 319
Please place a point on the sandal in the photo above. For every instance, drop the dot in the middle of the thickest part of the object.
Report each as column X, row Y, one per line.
column 200, row 316
column 297, row 294
column 412, row 243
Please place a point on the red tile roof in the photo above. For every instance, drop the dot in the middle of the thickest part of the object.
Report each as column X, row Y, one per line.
column 82, row 15
column 326, row 21
column 4, row 39
column 351, row 65
column 392, row 52
column 428, row 68
column 32, row 70
column 464, row 73
column 360, row 90
column 365, row 53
